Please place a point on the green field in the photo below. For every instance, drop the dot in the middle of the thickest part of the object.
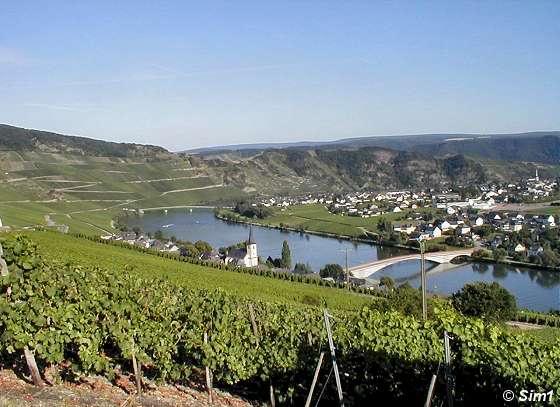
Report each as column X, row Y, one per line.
column 317, row 218
column 86, row 193
column 81, row 251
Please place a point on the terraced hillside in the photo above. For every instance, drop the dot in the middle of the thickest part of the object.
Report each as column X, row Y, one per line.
column 52, row 179
column 85, row 192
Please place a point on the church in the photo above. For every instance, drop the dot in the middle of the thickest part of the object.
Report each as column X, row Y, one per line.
column 247, row 256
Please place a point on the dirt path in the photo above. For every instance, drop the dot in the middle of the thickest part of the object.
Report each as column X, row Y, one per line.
column 193, row 189
column 524, row 325
column 97, row 391
column 163, row 179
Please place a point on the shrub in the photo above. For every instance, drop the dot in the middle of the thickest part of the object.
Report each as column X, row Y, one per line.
column 487, row 300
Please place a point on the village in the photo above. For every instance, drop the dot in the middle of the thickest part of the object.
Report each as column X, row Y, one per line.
column 443, row 217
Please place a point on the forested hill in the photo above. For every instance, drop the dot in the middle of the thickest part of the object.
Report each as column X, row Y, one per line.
column 540, row 147
column 543, row 148
column 19, row 139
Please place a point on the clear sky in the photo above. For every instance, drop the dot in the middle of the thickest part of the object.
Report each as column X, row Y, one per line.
column 186, row 74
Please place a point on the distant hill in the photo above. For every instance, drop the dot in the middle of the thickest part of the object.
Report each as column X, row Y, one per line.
column 20, row 139
column 374, row 168
column 543, row 147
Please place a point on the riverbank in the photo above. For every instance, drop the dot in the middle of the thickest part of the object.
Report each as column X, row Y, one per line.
column 510, row 262
column 314, row 232
column 161, row 208
column 247, row 221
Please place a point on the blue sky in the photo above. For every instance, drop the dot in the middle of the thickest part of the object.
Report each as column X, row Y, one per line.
column 186, row 74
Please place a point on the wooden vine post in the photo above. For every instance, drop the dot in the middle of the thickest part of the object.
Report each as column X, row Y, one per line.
column 254, row 323
column 256, row 333
column 208, row 374
column 137, row 374
column 33, row 369
column 315, row 377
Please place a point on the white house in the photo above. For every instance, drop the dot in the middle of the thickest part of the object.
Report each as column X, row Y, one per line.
column 479, row 221
column 408, row 229
column 445, row 225
column 433, row 232
column 247, row 256
column 519, row 248
column 397, row 209
column 465, row 229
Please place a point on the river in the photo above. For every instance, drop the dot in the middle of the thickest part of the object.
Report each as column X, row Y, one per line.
column 534, row 289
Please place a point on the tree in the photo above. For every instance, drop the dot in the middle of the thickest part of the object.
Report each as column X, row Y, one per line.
column 388, row 282
column 286, row 256
column 332, row 270
column 549, row 258
column 202, row 246
column 486, row 300
column 158, row 235
column 499, row 254
column 137, row 230
column 191, row 250
column 301, row 268
column 406, row 300
column 480, row 253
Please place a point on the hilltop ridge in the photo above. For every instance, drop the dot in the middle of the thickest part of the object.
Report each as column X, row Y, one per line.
column 19, row 139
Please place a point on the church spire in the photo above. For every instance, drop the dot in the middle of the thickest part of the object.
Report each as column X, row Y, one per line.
column 251, row 239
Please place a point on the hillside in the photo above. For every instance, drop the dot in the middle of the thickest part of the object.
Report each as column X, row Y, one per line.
column 374, row 168
column 51, row 179
column 539, row 147
column 25, row 140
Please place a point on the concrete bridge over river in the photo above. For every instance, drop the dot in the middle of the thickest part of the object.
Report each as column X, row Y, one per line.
column 366, row 270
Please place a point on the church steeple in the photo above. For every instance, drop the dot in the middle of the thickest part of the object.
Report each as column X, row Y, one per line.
column 251, row 239
column 252, row 259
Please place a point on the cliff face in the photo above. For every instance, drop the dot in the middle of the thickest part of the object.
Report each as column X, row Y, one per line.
column 338, row 170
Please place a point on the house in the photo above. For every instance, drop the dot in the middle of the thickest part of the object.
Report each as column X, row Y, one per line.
column 445, row 225
column 497, row 242
column 246, row 256
column 535, row 250
column 464, row 229
column 519, row 248
column 433, row 232
column 479, row 221
column 516, row 226
column 397, row 209
column 408, row 229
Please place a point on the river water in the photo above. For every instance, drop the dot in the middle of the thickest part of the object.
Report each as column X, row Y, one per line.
column 535, row 289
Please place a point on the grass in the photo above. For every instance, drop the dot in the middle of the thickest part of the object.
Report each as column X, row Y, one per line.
column 544, row 334
column 56, row 246
column 318, row 219
column 547, row 334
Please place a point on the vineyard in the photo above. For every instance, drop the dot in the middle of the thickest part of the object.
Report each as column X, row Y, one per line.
column 193, row 273
column 85, row 320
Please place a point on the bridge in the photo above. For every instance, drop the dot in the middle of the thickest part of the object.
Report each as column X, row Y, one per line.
column 365, row 270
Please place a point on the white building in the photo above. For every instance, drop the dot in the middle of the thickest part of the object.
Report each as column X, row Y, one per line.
column 247, row 256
